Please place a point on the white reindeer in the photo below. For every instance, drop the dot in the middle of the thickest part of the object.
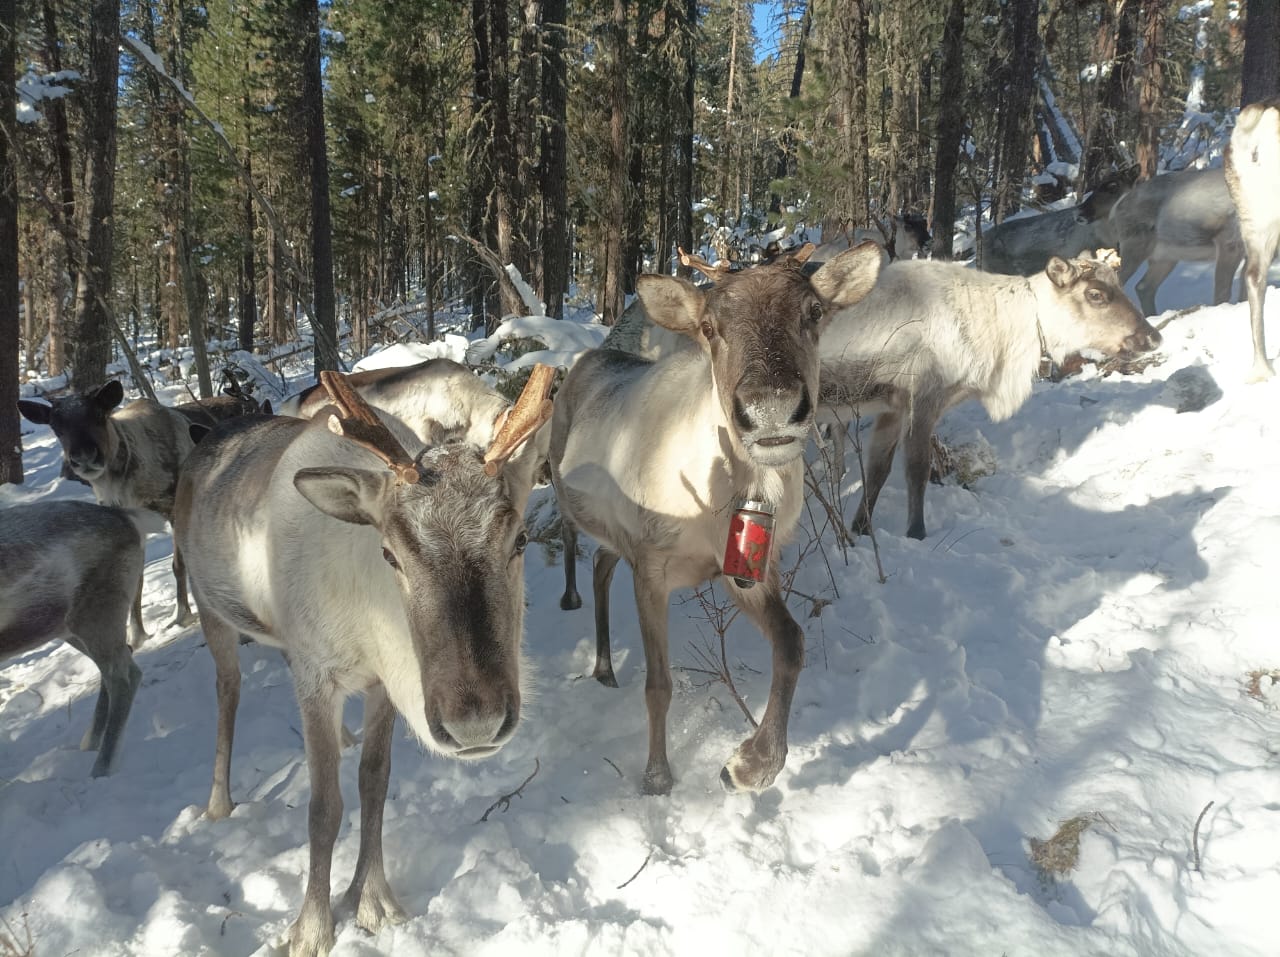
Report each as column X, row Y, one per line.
column 933, row 334
column 1253, row 175
column 650, row 459
column 73, row 571
column 405, row 584
column 1185, row 216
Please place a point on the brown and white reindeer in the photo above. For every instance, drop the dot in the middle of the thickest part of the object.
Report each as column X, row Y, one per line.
column 129, row 456
column 933, row 334
column 377, row 572
column 1253, row 175
column 73, row 571
column 650, row 458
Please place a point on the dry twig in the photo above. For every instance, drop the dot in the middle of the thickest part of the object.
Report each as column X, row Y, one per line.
column 504, row 802
column 638, row 870
column 1195, row 837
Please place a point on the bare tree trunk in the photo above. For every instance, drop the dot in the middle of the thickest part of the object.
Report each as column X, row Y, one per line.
column 554, row 169
column 1260, row 75
column 950, row 131
column 1153, row 23
column 506, row 179
column 684, row 165
column 728, row 206
column 787, row 144
column 248, row 299
column 1110, row 125
column 611, row 299
column 848, row 44
column 326, row 325
column 480, row 219
column 91, row 344
column 62, row 267
column 10, row 430
column 1015, row 117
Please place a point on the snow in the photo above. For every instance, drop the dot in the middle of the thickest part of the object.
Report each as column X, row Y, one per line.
column 1074, row 637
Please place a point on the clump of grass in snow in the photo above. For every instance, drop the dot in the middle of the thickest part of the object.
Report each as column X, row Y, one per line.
column 10, row 945
column 1261, row 682
column 968, row 461
column 1058, row 856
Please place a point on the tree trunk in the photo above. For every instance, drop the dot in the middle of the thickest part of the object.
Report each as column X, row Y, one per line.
column 10, row 432
column 729, row 205
column 554, row 171
column 1109, row 128
column 787, row 144
column 326, row 326
column 480, row 173
column 91, row 344
column 1153, row 22
column 684, row 165
column 248, row 300
column 1018, row 95
column 506, row 180
column 611, row 299
column 950, row 131
column 1260, row 75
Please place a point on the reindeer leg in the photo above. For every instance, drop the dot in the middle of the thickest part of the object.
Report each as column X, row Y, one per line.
column 652, row 596
column 919, row 459
column 312, row 933
column 137, row 631
column 884, row 442
column 224, row 645
column 369, row 892
column 1226, row 262
column 182, row 615
column 101, row 637
column 1157, row 272
column 1255, row 282
column 757, row 761
column 569, row 535
column 602, row 567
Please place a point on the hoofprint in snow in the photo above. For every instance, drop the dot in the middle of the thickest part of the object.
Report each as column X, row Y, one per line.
column 1075, row 637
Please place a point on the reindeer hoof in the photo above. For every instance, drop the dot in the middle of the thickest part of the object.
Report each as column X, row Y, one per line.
column 605, row 677
column 752, row 767
column 570, row 601
column 726, row 781
column 183, row 618
column 657, row 781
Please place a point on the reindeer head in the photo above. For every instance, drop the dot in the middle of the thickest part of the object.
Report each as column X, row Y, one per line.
column 1096, row 314
column 760, row 329
column 80, row 423
column 451, row 522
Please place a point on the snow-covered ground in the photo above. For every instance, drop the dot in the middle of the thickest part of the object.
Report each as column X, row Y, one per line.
column 1075, row 637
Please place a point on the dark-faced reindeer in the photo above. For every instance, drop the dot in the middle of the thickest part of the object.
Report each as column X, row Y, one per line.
column 933, row 334
column 1021, row 247
column 905, row 237
column 73, row 571
column 377, row 572
column 128, row 456
column 1185, row 216
column 651, row 458
column 1253, row 180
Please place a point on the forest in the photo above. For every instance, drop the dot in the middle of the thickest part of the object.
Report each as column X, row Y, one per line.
column 178, row 173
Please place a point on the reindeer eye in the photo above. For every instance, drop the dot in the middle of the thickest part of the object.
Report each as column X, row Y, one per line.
column 707, row 331
column 390, row 559
column 815, row 313
column 1096, row 296
column 522, row 541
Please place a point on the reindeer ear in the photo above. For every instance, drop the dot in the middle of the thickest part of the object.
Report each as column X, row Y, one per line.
column 1061, row 272
column 672, row 303
column 109, row 396
column 349, row 495
column 36, row 412
column 848, row 277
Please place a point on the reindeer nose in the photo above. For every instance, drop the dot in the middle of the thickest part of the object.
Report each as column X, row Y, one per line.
column 756, row 407
column 477, row 728
column 1144, row 340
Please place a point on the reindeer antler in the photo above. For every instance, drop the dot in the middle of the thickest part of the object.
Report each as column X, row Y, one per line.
column 521, row 420
column 1110, row 257
column 361, row 424
column 714, row 273
column 801, row 255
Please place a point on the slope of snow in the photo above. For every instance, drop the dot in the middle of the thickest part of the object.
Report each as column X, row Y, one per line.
column 1074, row 637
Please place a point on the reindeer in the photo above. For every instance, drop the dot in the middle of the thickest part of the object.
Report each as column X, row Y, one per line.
column 933, row 334
column 1177, row 217
column 905, row 237
column 400, row 577
column 1021, row 247
column 73, row 571
column 650, row 458
column 435, row 395
column 1252, row 173
column 129, row 457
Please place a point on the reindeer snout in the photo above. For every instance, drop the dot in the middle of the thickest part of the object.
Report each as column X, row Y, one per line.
column 757, row 408
column 476, row 727
column 1144, row 340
